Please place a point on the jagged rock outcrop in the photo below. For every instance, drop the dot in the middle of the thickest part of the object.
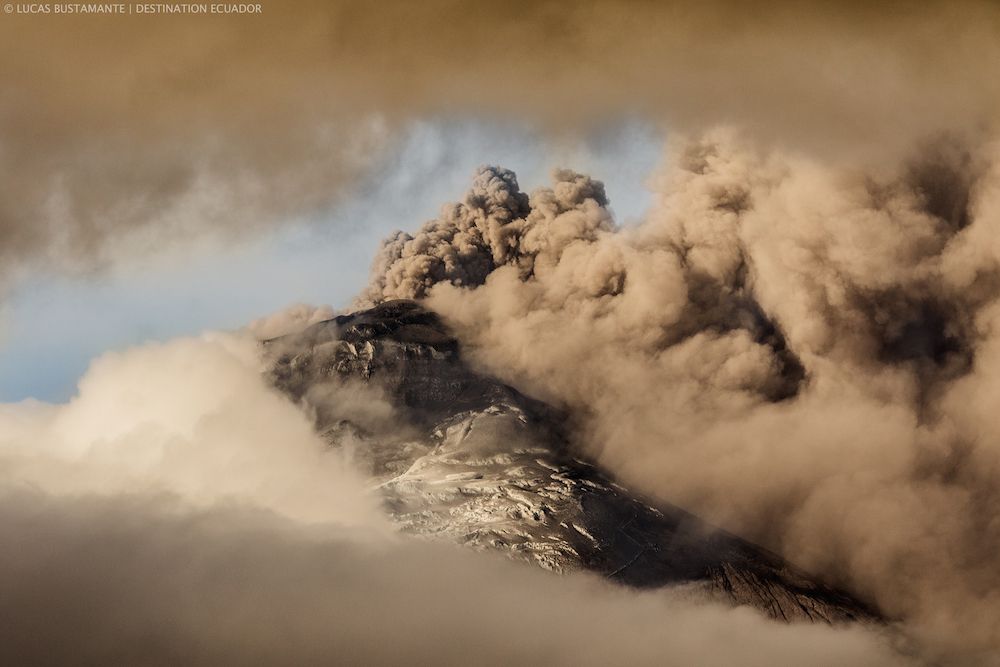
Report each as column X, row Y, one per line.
column 486, row 466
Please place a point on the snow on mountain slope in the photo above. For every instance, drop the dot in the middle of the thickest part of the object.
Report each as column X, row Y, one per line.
column 483, row 465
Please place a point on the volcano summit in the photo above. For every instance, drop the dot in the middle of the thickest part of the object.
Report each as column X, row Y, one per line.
column 484, row 465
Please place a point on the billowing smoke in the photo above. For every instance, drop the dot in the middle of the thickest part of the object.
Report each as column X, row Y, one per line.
column 796, row 348
column 801, row 352
column 180, row 510
column 127, row 133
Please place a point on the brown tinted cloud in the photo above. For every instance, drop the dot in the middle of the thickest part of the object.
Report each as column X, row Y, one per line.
column 802, row 351
column 207, row 523
column 146, row 581
column 132, row 131
column 798, row 342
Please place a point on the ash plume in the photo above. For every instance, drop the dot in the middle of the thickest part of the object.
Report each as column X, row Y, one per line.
column 798, row 350
column 122, row 134
column 799, row 342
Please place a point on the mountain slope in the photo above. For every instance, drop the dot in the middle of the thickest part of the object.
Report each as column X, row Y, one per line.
column 486, row 466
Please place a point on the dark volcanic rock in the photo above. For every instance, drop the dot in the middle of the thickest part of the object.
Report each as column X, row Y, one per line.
column 492, row 468
column 405, row 348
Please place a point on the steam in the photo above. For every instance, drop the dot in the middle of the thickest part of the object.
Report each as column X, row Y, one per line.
column 134, row 580
column 191, row 418
column 799, row 351
column 179, row 509
column 289, row 320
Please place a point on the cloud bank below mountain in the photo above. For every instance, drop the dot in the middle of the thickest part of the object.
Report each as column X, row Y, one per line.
column 179, row 509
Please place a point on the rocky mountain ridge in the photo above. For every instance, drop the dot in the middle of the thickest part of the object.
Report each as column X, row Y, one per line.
column 486, row 466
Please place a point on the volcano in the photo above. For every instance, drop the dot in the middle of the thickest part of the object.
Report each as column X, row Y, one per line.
column 486, row 466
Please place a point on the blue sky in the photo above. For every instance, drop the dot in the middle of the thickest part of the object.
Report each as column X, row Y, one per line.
column 51, row 326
